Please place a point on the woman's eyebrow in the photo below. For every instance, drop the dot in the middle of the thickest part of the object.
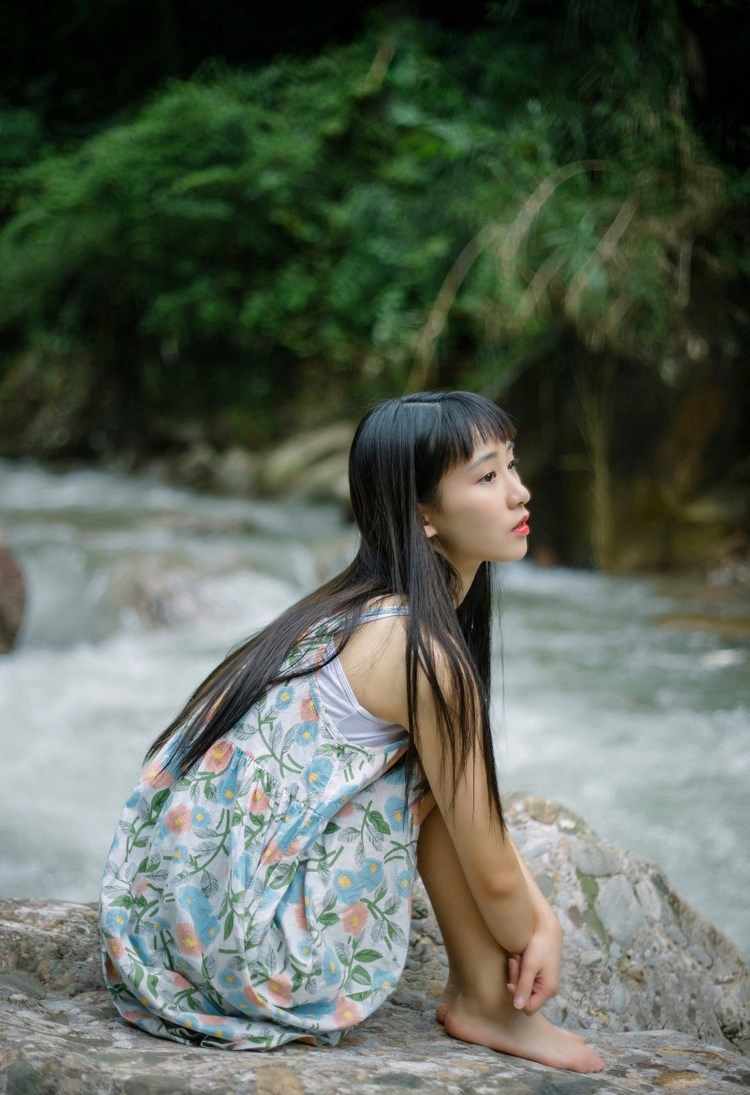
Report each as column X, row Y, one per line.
column 490, row 456
column 482, row 459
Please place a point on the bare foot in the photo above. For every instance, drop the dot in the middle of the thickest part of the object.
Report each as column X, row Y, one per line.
column 449, row 994
column 529, row 1036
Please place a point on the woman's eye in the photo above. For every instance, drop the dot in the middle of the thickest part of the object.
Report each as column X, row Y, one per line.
column 489, row 477
column 514, row 463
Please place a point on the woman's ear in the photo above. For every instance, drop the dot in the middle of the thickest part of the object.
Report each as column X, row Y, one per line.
column 429, row 528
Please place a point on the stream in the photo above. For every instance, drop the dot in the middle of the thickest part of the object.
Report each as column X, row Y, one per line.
column 137, row 589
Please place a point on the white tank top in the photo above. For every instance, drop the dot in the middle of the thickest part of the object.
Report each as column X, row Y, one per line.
column 357, row 725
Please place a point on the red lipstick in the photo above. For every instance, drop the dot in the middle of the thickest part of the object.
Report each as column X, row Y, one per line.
column 522, row 528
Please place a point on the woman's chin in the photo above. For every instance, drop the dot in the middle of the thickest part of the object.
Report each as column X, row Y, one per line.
column 514, row 553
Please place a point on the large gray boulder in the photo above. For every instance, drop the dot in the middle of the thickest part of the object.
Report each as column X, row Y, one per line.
column 667, row 997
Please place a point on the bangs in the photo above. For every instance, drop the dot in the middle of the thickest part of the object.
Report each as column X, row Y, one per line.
column 453, row 426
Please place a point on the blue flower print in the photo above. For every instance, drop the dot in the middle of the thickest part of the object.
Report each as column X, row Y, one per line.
column 284, row 697
column 394, row 774
column 395, row 811
column 318, row 774
column 226, row 792
column 179, row 854
column 371, row 874
column 261, row 878
column 158, row 923
column 206, row 927
column 403, row 883
column 347, row 884
column 304, row 949
column 141, row 947
column 117, row 920
column 307, row 733
column 231, row 980
column 201, row 817
column 193, row 900
column 331, row 967
column 384, row 980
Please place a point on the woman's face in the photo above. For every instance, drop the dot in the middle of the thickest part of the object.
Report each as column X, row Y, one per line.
column 481, row 511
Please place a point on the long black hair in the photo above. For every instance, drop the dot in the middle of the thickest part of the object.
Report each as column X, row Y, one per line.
column 401, row 450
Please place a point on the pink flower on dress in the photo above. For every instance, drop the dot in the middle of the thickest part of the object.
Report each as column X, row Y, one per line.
column 280, row 990
column 115, row 948
column 256, row 1000
column 113, row 974
column 218, row 756
column 347, row 810
column 354, row 918
column 178, row 980
column 157, row 777
column 187, row 939
column 257, row 802
column 300, row 914
column 347, row 1013
column 307, row 712
column 272, row 853
column 133, row 1016
column 177, row 820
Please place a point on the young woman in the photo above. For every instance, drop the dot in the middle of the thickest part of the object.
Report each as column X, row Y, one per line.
column 258, row 887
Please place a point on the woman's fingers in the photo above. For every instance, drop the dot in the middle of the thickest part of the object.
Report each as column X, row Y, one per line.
column 514, row 970
column 524, row 982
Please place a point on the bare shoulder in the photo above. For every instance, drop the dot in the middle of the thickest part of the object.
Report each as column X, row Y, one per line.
column 374, row 663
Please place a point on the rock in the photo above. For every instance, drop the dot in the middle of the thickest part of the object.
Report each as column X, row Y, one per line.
column 236, row 472
column 12, row 597
column 311, row 464
column 619, row 911
column 649, row 947
column 59, row 1032
column 196, row 467
column 157, row 593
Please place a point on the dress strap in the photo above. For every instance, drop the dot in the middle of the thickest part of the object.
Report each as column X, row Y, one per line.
column 385, row 610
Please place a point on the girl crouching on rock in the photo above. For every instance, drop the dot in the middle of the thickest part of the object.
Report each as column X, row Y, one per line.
column 258, row 886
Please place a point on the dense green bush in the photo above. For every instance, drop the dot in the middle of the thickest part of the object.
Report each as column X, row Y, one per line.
column 410, row 209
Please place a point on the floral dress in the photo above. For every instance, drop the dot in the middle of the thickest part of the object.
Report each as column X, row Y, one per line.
column 264, row 896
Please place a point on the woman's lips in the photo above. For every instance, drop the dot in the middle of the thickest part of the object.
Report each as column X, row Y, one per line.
column 522, row 528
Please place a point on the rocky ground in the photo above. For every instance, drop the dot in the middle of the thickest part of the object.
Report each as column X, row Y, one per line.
column 665, row 996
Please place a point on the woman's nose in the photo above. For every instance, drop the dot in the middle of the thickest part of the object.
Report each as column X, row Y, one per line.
column 522, row 494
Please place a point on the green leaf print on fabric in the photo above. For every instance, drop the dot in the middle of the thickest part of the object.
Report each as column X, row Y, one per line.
column 264, row 896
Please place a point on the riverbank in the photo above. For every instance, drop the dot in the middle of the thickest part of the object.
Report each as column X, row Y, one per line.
column 666, row 996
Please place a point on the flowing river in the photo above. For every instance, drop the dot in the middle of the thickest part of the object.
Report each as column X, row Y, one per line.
column 137, row 589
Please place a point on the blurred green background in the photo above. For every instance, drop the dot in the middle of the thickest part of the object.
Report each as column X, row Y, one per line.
column 222, row 228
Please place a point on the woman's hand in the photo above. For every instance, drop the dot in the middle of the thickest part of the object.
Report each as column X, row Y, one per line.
column 534, row 976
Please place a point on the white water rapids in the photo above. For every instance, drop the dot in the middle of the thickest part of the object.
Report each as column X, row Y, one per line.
column 137, row 589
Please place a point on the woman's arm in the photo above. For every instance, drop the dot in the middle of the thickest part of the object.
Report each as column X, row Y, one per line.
column 376, row 671
column 487, row 856
column 534, row 975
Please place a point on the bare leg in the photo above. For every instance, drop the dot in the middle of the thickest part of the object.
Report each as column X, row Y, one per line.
column 476, row 1005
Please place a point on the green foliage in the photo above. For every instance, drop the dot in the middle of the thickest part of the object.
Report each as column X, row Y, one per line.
column 363, row 219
